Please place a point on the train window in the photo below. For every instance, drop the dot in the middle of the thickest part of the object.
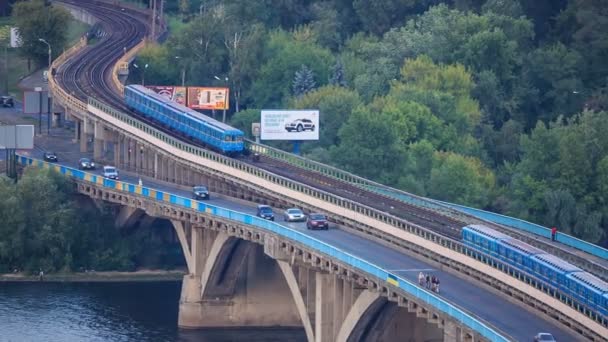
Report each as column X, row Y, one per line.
column 227, row 137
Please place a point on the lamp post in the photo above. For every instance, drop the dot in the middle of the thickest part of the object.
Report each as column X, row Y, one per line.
column 143, row 73
column 183, row 71
column 49, row 74
column 225, row 97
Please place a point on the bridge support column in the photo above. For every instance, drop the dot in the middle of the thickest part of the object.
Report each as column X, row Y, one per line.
column 127, row 216
column 155, row 167
column 98, row 144
column 117, row 150
column 232, row 284
column 81, row 135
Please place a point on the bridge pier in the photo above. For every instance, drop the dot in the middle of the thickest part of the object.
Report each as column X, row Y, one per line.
column 231, row 284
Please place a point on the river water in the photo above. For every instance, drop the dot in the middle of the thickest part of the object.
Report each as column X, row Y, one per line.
column 145, row 311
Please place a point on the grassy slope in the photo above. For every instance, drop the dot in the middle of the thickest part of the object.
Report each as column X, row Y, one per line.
column 17, row 68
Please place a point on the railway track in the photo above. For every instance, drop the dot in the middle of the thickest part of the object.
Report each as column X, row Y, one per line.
column 81, row 76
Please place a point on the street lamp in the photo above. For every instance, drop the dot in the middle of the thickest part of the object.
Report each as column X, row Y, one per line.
column 49, row 74
column 50, row 51
column 183, row 72
column 225, row 97
column 143, row 73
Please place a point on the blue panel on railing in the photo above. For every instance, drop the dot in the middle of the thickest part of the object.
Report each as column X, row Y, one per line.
column 145, row 192
column 334, row 252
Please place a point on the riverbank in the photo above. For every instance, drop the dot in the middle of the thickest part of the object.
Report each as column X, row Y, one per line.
column 137, row 276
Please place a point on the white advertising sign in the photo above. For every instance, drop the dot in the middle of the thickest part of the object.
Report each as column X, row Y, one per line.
column 290, row 125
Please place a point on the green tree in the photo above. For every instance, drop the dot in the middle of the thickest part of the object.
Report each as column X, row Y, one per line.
column 459, row 179
column 243, row 120
column 284, row 56
column 36, row 20
column 335, row 106
column 303, row 81
column 337, row 75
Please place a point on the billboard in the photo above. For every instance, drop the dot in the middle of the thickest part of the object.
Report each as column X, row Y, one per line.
column 290, row 125
column 18, row 137
column 35, row 102
column 177, row 94
column 207, row 98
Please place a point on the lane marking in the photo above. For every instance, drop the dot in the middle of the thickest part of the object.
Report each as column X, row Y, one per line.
column 413, row 270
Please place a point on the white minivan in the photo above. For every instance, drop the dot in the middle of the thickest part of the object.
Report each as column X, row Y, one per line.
column 110, row 172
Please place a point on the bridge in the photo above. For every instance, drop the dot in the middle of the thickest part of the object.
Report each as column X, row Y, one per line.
column 353, row 283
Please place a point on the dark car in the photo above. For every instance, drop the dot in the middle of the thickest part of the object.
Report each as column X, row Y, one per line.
column 317, row 221
column 86, row 164
column 7, row 101
column 50, row 157
column 200, row 192
column 265, row 212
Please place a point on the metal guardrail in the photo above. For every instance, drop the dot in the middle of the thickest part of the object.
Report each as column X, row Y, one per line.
column 58, row 92
column 431, row 204
column 123, row 64
column 294, row 235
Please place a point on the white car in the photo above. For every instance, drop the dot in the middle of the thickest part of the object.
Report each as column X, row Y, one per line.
column 544, row 337
column 300, row 125
column 110, row 172
column 294, row 214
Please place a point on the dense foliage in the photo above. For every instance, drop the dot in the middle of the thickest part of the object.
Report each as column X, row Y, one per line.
column 497, row 104
column 43, row 225
column 39, row 19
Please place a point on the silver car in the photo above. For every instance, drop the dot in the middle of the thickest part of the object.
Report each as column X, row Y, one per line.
column 544, row 337
column 294, row 214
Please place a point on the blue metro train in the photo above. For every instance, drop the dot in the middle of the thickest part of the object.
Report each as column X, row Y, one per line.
column 583, row 287
column 214, row 134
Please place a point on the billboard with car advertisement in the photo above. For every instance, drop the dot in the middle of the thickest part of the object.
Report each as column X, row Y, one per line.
column 177, row 94
column 290, row 125
column 207, row 98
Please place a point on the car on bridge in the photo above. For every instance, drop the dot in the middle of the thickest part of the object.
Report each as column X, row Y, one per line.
column 294, row 214
column 265, row 212
column 544, row 337
column 50, row 157
column 86, row 164
column 317, row 221
column 110, row 172
column 7, row 101
column 200, row 192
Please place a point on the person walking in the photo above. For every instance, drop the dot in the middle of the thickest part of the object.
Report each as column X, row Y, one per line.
column 437, row 284
column 421, row 279
column 428, row 281
column 433, row 283
column 553, row 233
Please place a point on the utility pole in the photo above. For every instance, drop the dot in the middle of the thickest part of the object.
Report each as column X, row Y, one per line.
column 6, row 68
column 153, row 19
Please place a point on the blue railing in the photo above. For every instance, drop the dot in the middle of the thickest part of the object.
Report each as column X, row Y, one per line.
column 526, row 226
column 287, row 232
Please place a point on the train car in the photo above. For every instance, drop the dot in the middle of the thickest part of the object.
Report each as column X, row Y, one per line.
column 482, row 237
column 518, row 253
column 579, row 286
column 553, row 269
column 212, row 133
column 590, row 289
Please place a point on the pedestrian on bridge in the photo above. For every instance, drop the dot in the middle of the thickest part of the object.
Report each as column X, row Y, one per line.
column 428, row 281
column 421, row 279
column 553, row 233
